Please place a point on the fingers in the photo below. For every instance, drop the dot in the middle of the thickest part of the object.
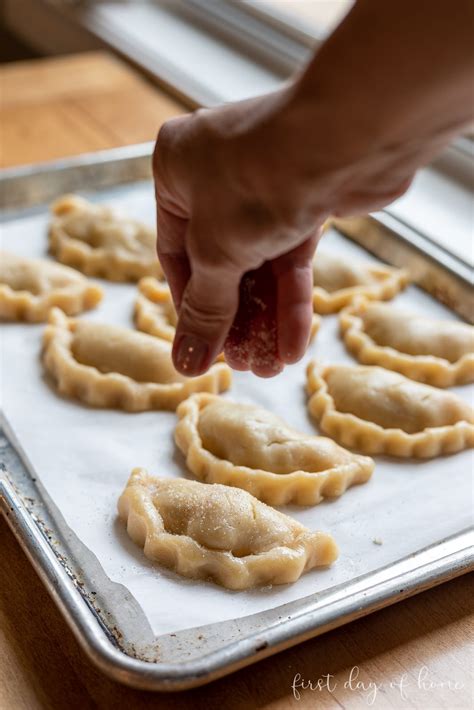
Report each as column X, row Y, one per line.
column 208, row 307
column 273, row 322
column 294, row 279
column 252, row 341
column 172, row 211
column 171, row 233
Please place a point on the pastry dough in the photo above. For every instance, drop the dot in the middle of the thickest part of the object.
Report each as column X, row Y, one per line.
column 381, row 412
column 110, row 366
column 218, row 532
column 336, row 281
column 246, row 446
column 438, row 352
column 30, row 287
column 99, row 242
column 154, row 309
column 155, row 312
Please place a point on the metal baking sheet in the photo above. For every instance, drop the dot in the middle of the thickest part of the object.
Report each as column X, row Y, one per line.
column 106, row 618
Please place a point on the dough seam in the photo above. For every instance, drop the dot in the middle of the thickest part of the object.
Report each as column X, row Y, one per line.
column 429, row 369
column 114, row 390
column 282, row 564
column 391, row 282
column 149, row 314
column 370, row 438
column 24, row 305
column 298, row 487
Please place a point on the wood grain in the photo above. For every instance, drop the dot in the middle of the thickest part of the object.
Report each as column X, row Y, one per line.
column 58, row 107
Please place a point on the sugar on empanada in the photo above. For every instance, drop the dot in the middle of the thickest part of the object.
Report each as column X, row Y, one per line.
column 219, row 533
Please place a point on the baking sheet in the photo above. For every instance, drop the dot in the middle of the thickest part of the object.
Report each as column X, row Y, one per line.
column 83, row 457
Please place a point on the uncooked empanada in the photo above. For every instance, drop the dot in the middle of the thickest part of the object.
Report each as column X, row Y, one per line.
column 381, row 412
column 337, row 280
column 438, row 352
column 98, row 241
column 111, row 366
column 154, row 309
column 220, row 533
column 155, row 312
column 246, row 446
column 30, row 287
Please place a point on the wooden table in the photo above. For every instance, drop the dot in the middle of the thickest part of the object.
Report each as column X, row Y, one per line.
column 56, row 107
column 51, row 108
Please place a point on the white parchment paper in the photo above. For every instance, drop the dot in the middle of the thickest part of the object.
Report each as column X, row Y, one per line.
column 83, row 457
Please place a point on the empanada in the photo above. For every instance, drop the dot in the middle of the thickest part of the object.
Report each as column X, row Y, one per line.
column 377, row 411
column 155, row 312
column 99, row 242
column 30, row 287
column 220, row 533
column 154, row 309
column 337, row 280
column 110, row 366
column 246, row 446
column 438, row 352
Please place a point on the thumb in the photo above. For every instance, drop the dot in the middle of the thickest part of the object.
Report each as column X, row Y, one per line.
column 207, row 310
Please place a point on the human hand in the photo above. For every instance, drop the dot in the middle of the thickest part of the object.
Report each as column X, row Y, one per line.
column 238, row 264
column 243, row 190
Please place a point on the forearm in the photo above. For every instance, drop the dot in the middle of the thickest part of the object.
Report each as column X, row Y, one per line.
column 246, row 187
column 399, row 68
column 394, row 83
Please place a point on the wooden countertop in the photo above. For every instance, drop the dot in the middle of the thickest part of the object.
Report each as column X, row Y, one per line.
column 52, row 108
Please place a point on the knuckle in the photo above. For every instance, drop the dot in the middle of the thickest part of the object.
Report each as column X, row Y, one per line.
column 162, row 141
column 203, row 315
column 165, row 145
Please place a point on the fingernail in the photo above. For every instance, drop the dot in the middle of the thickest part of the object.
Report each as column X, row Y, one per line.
column 190, row 355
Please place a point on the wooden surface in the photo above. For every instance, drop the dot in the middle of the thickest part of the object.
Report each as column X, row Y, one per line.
column 52, row 108
column 416, row 652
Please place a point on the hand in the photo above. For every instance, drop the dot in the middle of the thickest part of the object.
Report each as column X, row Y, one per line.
column 238, row 262
column 243, row 190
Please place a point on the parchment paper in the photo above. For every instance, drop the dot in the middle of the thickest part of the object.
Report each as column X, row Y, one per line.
column 83, row 456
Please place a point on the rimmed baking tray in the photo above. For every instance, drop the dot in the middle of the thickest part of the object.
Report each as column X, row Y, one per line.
column 195, row 656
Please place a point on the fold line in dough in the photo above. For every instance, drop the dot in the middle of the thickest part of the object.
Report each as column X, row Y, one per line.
column 209, row 521
column 112, row 389
column 430, row 369
column 298, row 487
column 387, row 282
column 371, row 438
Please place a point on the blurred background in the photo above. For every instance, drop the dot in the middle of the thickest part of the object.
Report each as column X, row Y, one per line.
column 34, row 27
column 84, row 75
